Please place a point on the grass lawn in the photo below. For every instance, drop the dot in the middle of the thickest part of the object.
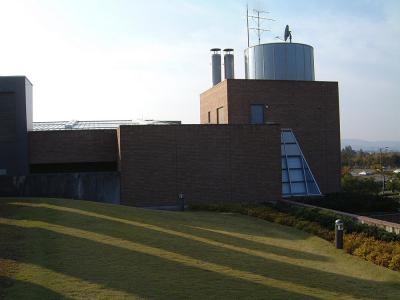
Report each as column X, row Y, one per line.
column 64, row 249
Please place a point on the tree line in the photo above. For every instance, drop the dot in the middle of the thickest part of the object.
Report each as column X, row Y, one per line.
column 372, row 160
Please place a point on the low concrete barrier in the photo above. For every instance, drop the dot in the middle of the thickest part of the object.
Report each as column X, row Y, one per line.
column 388, row 226
column 99, row 186
column 388, row 217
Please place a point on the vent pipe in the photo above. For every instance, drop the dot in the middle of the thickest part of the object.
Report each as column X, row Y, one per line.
column 216, row 65
column 229, row 64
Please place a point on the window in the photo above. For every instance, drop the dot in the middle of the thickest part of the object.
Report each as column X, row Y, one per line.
column 297, row 178
column 209, row 117
column 220, row 115
column 257, row 114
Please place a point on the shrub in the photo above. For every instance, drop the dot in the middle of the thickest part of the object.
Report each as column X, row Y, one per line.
column 327, row 220
column 354, row 202
column 368, row 242
column 386, row 254
column 352, row 242
column 395, row 263
column 354, row 185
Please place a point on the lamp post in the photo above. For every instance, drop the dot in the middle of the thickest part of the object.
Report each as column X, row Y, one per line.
column 381, row 163
column 181, row 197
column 339, row 234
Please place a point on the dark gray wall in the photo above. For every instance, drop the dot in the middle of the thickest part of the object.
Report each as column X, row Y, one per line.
column 15, row 119
column 100, row 187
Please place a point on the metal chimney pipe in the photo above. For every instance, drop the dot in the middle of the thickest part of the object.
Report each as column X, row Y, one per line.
column 216, row 65
column 229, row 64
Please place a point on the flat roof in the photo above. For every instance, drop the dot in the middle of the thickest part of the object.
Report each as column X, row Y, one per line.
column 97, row 124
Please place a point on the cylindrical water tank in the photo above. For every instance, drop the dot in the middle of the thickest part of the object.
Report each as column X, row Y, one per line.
column 280, row 61
column 216, row 65
column 229, row 64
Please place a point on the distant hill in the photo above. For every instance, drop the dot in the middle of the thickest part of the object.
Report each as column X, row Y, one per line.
column 371, row 145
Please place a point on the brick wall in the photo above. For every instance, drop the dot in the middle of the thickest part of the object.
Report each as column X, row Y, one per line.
column 72, row 146
column 207, row 163
column 310, row 108
column 213, row 99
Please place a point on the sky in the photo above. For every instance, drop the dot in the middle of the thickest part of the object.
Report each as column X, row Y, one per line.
column 127, row 59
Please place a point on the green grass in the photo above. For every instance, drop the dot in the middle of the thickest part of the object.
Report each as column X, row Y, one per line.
column 64, row 249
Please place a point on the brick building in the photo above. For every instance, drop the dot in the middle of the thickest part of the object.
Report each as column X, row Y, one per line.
column 309, row 108
column 259, row 139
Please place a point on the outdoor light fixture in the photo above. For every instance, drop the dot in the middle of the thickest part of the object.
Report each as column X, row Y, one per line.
column 181, row 197
column 339, row 234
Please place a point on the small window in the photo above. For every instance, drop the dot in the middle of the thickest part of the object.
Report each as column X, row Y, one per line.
column 220, row 115
column 257, row 114
column 209, row 117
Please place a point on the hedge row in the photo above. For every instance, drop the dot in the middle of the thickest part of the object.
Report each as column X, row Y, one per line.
column 327, row 220
column 354, row 202
column 369, row 242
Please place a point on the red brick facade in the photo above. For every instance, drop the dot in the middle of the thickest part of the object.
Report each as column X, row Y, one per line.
column 212, row 100
column 310, row 108
column 72, row 146
column 237, row 162
column 207, row 163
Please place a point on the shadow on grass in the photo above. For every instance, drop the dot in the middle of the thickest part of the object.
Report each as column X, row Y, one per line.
column 289, row 278
column 27, row 290
column 258, row 243
column 199, row 284
column 125, row 213
column 135, row 272
column 253, row 247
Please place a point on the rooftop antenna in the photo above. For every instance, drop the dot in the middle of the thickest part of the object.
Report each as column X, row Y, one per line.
column 248, row 31
column 288, row 34
column 258, row 17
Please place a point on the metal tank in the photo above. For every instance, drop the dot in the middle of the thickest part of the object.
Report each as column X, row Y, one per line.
column 229, row 64
column 216, row 65
column 280, row 61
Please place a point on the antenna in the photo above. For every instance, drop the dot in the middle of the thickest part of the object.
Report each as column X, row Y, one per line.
column 258, row 17
column 288, row 33
column 248, row 31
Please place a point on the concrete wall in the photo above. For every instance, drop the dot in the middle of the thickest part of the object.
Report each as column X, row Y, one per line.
column 72, row 146
column 15, row 119
column 221, row 163
column 310, row 108
column 100, row 187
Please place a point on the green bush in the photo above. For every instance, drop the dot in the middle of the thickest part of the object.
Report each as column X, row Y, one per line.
column 368, row 242
column 326, row 219
column 354, row 185
column 354, row 202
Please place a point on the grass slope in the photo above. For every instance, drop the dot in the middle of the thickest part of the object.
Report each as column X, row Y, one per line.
column 63, row 249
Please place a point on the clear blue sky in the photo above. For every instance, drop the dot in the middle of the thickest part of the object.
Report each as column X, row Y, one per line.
column 125, row 59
